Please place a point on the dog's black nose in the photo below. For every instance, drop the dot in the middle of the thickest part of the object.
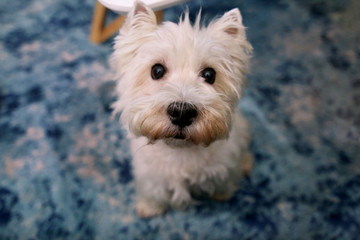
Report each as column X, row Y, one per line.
column 182, row 114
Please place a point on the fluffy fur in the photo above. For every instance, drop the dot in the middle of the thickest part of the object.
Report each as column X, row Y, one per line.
column 208, row 160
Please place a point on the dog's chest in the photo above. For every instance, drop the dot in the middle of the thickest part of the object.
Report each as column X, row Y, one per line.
column 192, row 165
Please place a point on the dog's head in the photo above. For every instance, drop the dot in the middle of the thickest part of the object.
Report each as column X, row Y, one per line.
column 177, row 81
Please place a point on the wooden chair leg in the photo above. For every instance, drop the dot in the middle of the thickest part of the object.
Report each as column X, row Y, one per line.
column 97, row 22
column 159, row 16
column 99, row 32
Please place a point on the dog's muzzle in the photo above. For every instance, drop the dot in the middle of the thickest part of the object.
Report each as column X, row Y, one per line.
column 182, row 114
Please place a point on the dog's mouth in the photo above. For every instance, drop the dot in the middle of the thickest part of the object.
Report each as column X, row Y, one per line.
column 180, row 136
column 180, row 139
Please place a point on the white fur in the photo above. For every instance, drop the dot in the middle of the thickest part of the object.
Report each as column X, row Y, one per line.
column 167, row 170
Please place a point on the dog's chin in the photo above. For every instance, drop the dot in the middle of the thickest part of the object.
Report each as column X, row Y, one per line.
column 174, row 139
column 178, row 142
column 180, row 139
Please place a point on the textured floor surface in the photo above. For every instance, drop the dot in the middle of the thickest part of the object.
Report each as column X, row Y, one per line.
column 65, row 167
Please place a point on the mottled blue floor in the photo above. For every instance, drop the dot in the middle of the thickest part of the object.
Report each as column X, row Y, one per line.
column 65, row 167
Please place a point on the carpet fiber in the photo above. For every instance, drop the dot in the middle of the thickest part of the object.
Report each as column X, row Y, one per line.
column 65, row 166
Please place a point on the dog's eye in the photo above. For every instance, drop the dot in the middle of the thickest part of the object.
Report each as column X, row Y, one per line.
column 157, row 71
column 209, row 75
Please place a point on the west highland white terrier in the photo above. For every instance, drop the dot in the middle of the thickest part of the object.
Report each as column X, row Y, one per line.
column 178, row 90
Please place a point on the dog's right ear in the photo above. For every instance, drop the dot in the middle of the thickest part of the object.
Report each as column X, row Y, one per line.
column 140, row 19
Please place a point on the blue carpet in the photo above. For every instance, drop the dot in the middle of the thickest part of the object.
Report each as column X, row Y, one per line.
column 65, row 167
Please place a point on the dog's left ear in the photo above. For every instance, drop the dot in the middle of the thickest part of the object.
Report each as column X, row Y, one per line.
column 230, row 24
column 141, row 18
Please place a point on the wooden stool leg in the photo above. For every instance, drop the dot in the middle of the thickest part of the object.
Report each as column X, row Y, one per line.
column 112, row 28
column 97, row 22
column 159, row 16
column 99, row 32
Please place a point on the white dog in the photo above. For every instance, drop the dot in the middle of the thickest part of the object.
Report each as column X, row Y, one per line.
column 178, row 90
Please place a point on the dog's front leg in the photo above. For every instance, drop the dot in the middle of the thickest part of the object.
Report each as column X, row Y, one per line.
column 153, row 197
column 180, row 197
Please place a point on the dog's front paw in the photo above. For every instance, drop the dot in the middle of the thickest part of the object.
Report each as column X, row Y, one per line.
column 146, row 210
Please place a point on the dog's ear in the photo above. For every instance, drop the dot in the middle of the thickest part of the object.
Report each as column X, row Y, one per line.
column 230, row 24
column 140, row 18
column 230, row 30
